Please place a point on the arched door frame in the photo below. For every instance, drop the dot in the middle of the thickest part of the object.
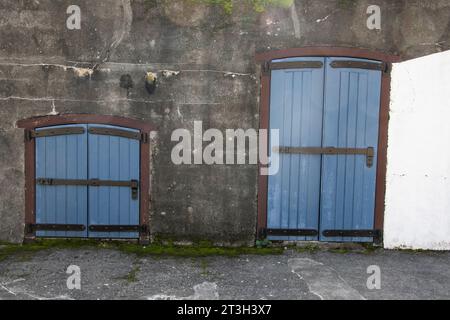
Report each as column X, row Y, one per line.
column 264, row 58
column 65, row 119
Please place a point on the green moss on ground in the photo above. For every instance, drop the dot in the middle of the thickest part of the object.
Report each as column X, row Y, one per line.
column 308, row 248
column 201, row 249
column 257, row 5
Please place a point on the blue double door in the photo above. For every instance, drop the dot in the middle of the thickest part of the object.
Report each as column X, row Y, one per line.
column 327, row 113
column 87, row 181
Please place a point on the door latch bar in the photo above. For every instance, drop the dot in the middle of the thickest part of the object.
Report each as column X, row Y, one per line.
column 368, row 152
column 133, row 184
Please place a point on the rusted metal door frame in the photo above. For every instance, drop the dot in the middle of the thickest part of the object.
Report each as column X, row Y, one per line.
column 265, row 59
column 30, row 156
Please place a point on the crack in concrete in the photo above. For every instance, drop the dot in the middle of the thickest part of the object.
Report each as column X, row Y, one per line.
column 144, row 65
column 124, row 30
column 295, row 21
column 52, row 99
column 323, row 281
column 203, row 291
column 18, row 291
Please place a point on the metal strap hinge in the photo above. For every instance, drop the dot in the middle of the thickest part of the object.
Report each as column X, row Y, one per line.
column 268, row 66
column 291, row 232
column 350, row 64
column 144, row 137
column 119, row 228
column 30, row 228
column 368, row 152
column 32, row 134
column 376, row 234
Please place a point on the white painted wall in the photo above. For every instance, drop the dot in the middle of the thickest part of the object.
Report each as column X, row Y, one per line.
column 417, row 212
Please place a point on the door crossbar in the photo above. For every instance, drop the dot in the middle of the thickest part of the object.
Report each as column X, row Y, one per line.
column 133, row 184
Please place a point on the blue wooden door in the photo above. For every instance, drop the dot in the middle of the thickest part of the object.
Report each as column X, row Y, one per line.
column 67, row 162
column 113, row 158
column 351, row 120
column 319, row 108
column 296, row 108
column 61, row 156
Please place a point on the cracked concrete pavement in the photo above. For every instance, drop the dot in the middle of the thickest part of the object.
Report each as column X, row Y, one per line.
column 110, row 274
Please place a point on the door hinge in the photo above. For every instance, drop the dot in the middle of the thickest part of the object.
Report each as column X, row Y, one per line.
column 144, row 137
column 387, row 68
column 376, row 234
column 115, row 133
column 30, row 228
column 32, row 134
column 265, row 68
column 28, row 135
column 119, row 228
column 292, row 232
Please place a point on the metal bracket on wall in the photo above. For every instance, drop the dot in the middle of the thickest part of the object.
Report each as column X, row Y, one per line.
column 368, row 152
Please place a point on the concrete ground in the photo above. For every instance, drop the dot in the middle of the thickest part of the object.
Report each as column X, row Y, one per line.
column 111, row 274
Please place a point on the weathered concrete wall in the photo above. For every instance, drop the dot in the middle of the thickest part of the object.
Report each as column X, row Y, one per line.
column 218, row 83
column 417, row 202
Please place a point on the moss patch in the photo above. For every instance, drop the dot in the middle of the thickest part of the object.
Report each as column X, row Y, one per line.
column 309, row 248
column 202, row 249
column 198, row 250
column 257, row 5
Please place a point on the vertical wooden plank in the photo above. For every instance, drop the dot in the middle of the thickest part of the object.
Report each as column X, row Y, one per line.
column 134, row 162
column 350, row 142
column 60, row 191
column 360, row 162
column 41, row 212
column 124, row 193
column 295, row 188
column 285, row 136
column 312, row 97
column 114, row 193
column 278, row 84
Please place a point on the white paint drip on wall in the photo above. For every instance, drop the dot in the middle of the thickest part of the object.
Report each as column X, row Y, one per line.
column 417, row 214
